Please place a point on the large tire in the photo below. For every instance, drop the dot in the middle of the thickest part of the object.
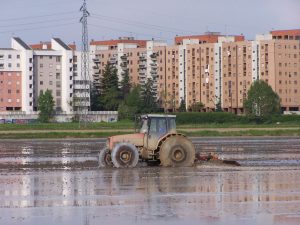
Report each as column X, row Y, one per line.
column 177, row 151
column 125, row 155
column 105, row 158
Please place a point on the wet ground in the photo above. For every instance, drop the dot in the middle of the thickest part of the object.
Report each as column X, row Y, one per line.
column 57, row 182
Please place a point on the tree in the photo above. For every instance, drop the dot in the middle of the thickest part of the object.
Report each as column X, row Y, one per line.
column 219, row 106
column 182, row 107
column 131, row 105
column 45, row 106
column 109, row 88
column 262, row 102
column 125, row 85
column 95, row 100
column 196, row 107
column 111, row 99
column 148, row 96
column 109, row 79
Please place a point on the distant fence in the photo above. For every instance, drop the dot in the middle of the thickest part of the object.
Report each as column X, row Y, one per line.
column 23, row 118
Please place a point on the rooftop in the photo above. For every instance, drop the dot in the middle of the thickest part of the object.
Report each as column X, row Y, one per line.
column 22, row 43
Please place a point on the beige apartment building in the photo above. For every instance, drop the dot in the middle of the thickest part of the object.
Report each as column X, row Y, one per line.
column 208, row 68
column 53, row 70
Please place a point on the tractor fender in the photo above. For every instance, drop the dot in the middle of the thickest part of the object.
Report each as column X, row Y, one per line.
column 163, row 138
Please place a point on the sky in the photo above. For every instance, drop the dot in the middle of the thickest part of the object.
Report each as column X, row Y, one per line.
column 40, row 20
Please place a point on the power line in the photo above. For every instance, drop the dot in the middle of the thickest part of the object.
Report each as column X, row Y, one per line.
column 41, row 16
column 32, row 23
column 137, row 23
column 37, row 28
column 126, row 31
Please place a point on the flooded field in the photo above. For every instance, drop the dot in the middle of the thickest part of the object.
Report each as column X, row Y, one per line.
column 58, row 182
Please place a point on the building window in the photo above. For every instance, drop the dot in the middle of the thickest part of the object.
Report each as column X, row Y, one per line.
column 41, row 82
column 9, row 56
column 41, row 65
column 9, row 91
column 18, row 56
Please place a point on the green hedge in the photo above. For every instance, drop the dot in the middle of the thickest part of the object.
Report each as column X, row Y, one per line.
column 209, row 117
column 223, row 117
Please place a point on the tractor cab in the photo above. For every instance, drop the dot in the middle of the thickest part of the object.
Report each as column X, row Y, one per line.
column 155, row 127
column 157, row 124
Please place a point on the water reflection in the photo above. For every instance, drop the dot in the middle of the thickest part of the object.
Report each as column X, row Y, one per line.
column 156, row 194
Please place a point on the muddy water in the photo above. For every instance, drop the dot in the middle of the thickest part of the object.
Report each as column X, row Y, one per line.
column 57, row 182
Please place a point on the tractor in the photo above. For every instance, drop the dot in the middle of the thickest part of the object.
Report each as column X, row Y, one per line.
column 155, row 141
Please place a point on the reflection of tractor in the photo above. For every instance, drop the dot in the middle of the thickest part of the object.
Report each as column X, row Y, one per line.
column 156, row 141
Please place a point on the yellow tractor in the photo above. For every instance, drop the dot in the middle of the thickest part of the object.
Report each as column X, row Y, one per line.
column 155, row 141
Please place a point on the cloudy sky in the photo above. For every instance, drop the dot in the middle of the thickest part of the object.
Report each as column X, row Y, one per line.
column 40, row 20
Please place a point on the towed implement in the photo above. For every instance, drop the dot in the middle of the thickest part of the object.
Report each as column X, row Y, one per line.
column 156, row 141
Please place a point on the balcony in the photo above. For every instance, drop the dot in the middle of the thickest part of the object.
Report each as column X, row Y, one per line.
column 153, row 55
column 82, row 103
column 142, row 58
column 124, row 64
column 124, row 57
column 96, row 60
column 82, row 95
column 81, row 87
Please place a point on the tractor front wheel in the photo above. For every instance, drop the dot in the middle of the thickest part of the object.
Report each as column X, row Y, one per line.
column 177, row 151
column 105, row 158
column 125, row 155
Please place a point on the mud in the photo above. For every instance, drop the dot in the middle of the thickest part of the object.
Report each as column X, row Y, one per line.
column 57, row 182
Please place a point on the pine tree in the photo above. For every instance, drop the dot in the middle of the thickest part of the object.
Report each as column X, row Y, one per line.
column 110, row 93
column 109, row 79
column 219, row 106
column 148, row 97
column 182, row 107
column 95, row 100
column 131, row 106
column 125, row 85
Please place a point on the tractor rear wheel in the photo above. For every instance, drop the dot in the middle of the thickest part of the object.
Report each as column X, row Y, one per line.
column 105, row 158
column 177, row 151
column 125, row 155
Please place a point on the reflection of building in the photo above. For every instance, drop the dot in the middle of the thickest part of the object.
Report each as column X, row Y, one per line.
column 159, row 193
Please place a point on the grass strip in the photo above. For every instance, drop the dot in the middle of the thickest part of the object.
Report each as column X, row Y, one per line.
column 62, row 135
column 210, row 133
column 204, row 133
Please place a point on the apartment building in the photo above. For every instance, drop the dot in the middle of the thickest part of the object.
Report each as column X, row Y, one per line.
column 16, row 77
column 210, row 68
column 10, row 80
column 28, row 70
column 285, row 34
column 137, row 57
column 53, row 70
column 280, row 67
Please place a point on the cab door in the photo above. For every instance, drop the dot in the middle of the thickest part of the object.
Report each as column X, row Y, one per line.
column 157, row 129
